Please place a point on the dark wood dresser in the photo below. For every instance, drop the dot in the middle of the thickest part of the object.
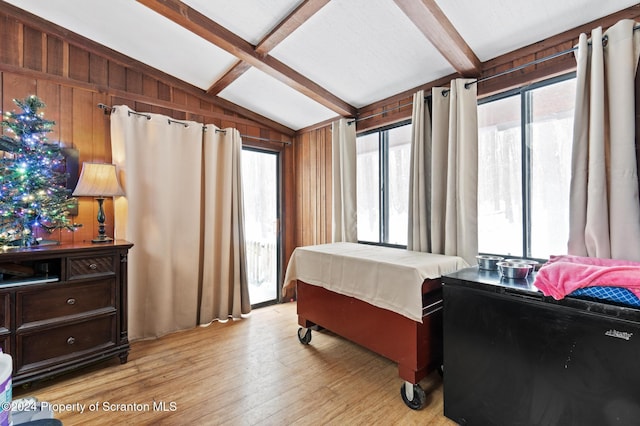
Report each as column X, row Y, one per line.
column 63, row 307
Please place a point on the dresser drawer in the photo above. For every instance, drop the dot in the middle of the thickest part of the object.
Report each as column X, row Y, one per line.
column 43, row 304
column 87, row 267
column 55, row 345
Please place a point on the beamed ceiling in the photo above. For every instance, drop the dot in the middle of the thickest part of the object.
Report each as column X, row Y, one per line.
column 299, row 63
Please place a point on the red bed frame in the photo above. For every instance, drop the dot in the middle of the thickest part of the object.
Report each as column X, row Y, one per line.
column 416, row 347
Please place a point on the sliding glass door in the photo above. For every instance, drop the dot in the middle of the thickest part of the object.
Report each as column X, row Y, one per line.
column 260, row 181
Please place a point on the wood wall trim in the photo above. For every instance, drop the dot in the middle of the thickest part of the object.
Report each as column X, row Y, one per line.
column 545, row 71
column 317, row 126
column 387, row 111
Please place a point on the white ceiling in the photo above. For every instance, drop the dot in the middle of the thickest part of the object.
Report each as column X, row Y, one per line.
column 360, row 51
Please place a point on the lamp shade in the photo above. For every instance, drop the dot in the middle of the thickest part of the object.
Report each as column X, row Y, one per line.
column 98, row 180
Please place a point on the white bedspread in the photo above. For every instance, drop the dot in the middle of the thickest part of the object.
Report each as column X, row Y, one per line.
column 386, row 277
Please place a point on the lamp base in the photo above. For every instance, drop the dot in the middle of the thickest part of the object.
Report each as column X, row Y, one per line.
column 102, row 239
column 102, row 235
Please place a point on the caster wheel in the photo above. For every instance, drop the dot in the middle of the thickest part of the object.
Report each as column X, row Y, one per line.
column 418, row 400
column 304, row 335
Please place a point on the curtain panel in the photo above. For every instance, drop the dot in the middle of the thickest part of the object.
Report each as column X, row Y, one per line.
column 604, row 205
column 183, row 212
column 419, row 236
column 344, row 195
column 225, row 290
column 443, row 196
column 160, row 167
column 454, row 212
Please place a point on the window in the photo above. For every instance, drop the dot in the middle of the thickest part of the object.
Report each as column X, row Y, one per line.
column 383, row 185
column 260, row 189
column 524, row 154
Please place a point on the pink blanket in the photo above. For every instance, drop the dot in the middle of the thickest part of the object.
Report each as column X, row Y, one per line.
column 564, row 274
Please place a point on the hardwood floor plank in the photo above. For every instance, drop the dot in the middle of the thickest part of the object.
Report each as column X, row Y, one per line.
column 248, row 372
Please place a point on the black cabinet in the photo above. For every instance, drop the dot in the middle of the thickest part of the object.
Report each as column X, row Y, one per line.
column 515, row 357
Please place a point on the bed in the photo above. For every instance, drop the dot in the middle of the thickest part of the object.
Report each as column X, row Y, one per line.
column 387, row 300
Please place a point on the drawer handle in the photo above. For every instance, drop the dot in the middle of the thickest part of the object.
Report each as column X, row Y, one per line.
column 93, row 266
column 71, row 301
column 71, row 340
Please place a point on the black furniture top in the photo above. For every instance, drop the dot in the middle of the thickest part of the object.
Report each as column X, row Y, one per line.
column 491, row 281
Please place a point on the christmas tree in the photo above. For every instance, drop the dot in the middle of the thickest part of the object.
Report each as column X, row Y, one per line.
column 33, row 189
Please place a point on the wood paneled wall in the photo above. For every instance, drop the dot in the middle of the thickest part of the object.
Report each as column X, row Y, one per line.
column 73, row 75
column 316, row 210
column 313, row 187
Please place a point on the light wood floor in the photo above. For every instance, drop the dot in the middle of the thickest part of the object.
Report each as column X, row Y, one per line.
column 248, row 372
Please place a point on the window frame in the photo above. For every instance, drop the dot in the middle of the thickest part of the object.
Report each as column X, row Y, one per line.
column 526, row 118
column 383, row 176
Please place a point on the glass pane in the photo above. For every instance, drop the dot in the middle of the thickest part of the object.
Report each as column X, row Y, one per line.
column 260, row 195
column 398, row 186
column 368, row 184
column 550, row 133
column 499, row 177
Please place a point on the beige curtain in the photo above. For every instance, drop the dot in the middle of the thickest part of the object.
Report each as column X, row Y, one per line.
column 454, row 170
column 160, row 167
column 604, row 208
column 419, row 236
column 344, row 208
column 225, row 292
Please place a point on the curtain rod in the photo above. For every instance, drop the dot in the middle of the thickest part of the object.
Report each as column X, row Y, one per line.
column 253, row 137
column 489, row 77
column 605, row 40
column 375, row 114
column 446, row 91
column 107, row 110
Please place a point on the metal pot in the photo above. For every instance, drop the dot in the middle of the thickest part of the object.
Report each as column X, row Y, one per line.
column 514, row 270
column 533, row 263
column 489, row 263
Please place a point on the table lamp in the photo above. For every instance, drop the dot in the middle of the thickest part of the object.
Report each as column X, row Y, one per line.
column 98, row 180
